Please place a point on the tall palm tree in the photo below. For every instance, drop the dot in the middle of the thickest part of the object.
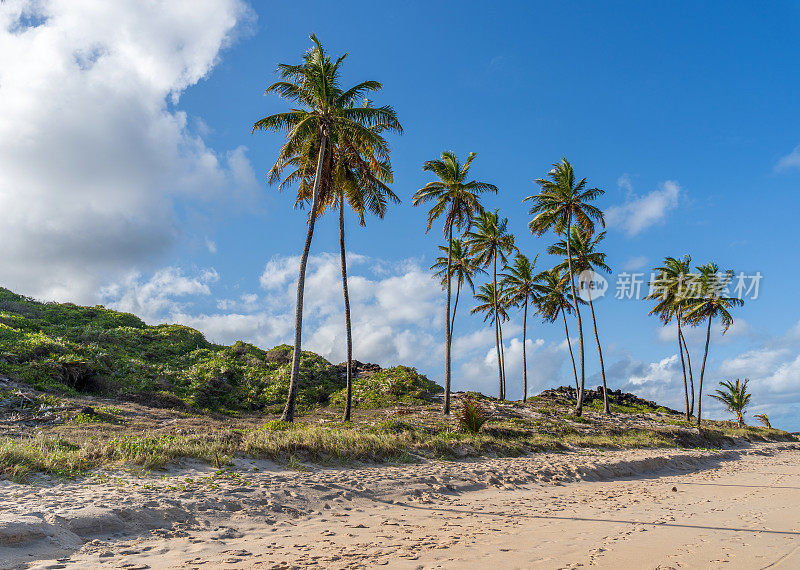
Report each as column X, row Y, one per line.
column 357, row 174
column 670, row 293
column 325, row 112
column 736, row 399
column 586, row 257
column 489, row 242
column 561, row 201
column 551, row 302
column 462, row 267
column 492, row 302
column 458, row 199
column 521, row 289
column 708, row 305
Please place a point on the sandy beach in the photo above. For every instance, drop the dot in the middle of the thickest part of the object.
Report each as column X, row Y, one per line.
column 738, row 508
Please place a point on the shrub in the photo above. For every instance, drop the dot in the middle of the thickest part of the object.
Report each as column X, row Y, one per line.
column 472, row 416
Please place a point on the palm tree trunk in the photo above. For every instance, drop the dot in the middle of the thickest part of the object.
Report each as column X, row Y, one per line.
column 524, row 352
column 579, row 405
column 606, row 409
column 291, row 399
column 569, row 345
column 702, row 373
column 448, row 332
column 503, row 358
column 349, row 401
column 691, row 375
column 683, row 366
column 455, row 307
column 497, row 333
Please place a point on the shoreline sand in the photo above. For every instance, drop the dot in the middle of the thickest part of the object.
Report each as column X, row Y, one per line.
column 548, row 510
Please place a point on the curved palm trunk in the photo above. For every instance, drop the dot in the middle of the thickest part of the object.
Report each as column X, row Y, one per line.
column 455, row 308
column 579, row 405
column 503, row 358
column 349, row 401
column 702, row 373
column 524, row 354
column 691, row 375
column 569, row 345
column 606, row 409
column 497, row 333
column 449, row 331
column 291, row 399
column 683, row 366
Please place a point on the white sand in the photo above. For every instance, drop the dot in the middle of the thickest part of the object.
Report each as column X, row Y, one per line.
column 736, row 508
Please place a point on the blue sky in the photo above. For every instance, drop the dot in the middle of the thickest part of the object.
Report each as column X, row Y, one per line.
column 139, row 184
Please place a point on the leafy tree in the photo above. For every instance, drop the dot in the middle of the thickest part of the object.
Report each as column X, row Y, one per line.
column 462, row 267
column 561, row 201
column 670, row 292
column 325, row 114
column 586, row 260
column 551, row 302
column 521, row 289
column 459, row 201
column 492, row 302
column 736, row 398
column 708, row 304
column 489, row 242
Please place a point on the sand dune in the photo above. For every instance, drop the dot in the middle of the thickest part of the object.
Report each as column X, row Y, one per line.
column 737, row 507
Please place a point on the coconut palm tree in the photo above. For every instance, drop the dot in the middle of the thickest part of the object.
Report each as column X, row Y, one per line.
column 359, row 175
column 670, row 293
column 551, row 302
column 489, row 242
column 492, row 302
column 521, row 289
column 458, row 199
column 735, row 397
column 764, row 420
column 324, row 113
column 586, row 260
column 462, row 266
column 562, row 201
column 709, row 304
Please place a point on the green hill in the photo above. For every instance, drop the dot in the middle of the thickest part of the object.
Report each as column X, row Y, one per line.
column 70, row 349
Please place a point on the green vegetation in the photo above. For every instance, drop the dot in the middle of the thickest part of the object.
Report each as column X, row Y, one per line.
column 472, row 416
column 69, row 349
column 399, row 384
column 735, row 397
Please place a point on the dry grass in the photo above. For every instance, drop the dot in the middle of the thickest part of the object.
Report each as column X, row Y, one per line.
column 129, row 435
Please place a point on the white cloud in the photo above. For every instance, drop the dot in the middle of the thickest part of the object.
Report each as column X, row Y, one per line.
column 94, row 151
column 790, row 161
column 697, row 335
column 638, row 213
column 160, row 295
column 636, row 262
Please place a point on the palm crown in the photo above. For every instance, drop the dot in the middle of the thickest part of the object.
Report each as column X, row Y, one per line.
column 491, row 299
column 552, row 297
column 669, row 289
column 585, row 255
column 562, row 200
column 709, row 302
column 462, row 266
column 490, row 239
column 519, row 282
column 324, row 109
column 451, row 195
